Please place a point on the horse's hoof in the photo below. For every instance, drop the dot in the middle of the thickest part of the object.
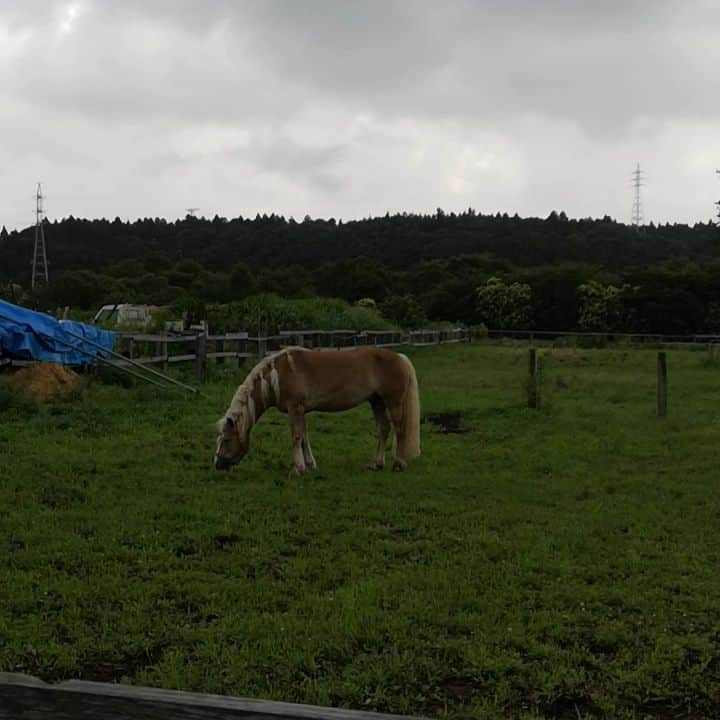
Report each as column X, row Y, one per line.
column 296, row 472
column 399, row 466
column 375, row 467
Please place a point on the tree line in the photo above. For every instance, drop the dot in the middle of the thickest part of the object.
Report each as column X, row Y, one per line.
column 507, row 272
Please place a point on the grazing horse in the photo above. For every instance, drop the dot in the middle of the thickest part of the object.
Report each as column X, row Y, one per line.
column 297, row 381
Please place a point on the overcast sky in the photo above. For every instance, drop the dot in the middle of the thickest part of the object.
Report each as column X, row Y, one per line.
column 353, row 108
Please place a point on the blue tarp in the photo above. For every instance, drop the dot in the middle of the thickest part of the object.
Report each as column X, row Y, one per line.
column 29, row 335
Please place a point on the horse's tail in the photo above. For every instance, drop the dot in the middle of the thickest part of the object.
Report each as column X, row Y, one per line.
column 408, row 434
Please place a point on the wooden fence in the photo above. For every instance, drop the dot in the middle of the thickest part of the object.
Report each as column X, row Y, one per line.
column 635, row 338
column 166, row 350
column 22, row 696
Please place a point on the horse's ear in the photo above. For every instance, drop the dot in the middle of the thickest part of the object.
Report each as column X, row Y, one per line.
column 226, row 423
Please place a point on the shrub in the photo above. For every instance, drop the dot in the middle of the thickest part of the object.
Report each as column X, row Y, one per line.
column 404, row 310
column 269, row 314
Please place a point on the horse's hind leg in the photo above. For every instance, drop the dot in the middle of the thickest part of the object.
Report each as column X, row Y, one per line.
column 383, row 430
column 399, row 463
column 297, row 432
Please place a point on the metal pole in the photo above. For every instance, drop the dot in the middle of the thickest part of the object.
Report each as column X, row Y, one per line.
column 132, row 362
column 126, row 370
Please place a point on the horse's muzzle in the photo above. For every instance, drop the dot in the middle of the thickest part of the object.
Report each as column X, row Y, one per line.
column 221, row 464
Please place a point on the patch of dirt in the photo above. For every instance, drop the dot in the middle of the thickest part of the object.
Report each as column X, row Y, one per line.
column 570, row 707
column 58, row 497
column 221, row 541
column 447, row 422
column 44, row 381
column 186, row 549
column 459, row 691
column 454, row 694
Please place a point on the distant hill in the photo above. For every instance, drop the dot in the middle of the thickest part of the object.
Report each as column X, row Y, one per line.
column 397, row 241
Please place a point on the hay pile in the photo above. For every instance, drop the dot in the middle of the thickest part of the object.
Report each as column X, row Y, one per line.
column 44, row 381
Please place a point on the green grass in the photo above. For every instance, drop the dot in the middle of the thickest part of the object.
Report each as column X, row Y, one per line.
column 553, row 563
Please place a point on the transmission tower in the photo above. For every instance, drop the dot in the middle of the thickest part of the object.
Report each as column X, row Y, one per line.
column 638, row 179
column 718, row 203
column 191, row 211
column 39, row 261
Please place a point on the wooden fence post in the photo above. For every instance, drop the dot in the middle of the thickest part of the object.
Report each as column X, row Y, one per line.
column 220, row 347
column 164, row 353
column 200, row 356
column 661, row 384
column 243, row 346
column 533, row 388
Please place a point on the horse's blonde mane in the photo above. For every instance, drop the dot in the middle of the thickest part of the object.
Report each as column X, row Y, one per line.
column 242, row 405
column 266, row 362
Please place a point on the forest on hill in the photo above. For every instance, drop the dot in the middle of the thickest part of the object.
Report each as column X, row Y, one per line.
column 506, row 271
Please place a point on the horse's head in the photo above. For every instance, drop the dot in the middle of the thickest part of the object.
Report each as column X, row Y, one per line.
column 233, row 442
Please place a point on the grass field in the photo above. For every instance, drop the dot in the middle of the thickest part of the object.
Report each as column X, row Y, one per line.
column 555, row 563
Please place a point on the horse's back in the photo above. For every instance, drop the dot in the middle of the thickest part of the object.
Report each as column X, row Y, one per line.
column 357, row 357
column 337, row 380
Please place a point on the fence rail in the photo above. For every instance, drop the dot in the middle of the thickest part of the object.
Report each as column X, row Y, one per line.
column 649, row 338
column 168, row 350
column 28, row 697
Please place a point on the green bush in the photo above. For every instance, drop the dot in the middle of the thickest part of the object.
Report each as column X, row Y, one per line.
column 269, row 314
column 404, row 310
column 478, row 332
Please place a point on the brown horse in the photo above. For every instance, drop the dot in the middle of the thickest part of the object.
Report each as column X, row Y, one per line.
column 297, row 381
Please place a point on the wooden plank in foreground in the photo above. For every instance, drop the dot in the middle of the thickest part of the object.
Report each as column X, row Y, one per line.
column 22, row 696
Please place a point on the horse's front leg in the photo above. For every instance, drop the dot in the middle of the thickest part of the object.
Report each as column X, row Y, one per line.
column 310, row 463
column 296, row 416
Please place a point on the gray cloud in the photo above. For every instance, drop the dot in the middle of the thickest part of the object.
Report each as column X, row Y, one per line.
column 346, row 109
